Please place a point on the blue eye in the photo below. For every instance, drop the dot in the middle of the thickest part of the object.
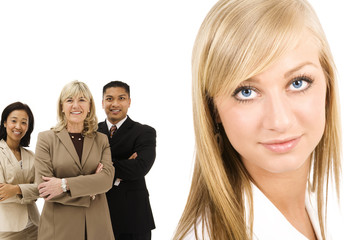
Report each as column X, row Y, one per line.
column 300, row 84
column 245, row 93
column 297, row 83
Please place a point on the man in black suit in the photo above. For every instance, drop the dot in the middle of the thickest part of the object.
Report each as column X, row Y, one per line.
column 133, row 153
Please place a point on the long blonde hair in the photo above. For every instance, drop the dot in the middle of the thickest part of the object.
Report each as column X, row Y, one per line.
column 237, row 40
column 73, row 89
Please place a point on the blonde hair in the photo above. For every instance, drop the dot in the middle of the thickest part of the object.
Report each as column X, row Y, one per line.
column 237, row 40
column 74, row 89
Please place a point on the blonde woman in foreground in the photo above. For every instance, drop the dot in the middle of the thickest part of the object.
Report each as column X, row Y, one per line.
column 266, row 124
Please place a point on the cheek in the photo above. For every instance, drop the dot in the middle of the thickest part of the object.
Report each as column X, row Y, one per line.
column 85, row 107
column 311, row 112
column 8, row 127
column 64, row 108
column 240, row 124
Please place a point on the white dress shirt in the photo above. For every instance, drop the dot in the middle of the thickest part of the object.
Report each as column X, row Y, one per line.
column 118, row 125
column 270, row 224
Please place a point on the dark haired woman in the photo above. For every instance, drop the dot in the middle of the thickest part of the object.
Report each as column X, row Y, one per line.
column 19, row 215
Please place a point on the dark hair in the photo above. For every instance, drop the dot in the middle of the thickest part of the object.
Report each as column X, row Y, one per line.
column 25, row 141
column 117, row 84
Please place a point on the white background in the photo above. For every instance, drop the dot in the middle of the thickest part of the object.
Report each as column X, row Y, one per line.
column 148, row 44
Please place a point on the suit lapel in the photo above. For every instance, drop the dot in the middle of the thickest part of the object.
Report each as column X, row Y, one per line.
column 10, row 156
column 64, row 137
column 13, row 161
column 123, row 128
column 88, row 143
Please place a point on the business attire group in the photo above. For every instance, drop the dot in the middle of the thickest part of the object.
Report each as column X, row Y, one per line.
column 92, row 179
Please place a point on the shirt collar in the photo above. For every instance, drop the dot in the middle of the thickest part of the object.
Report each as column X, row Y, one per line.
column 118, row 124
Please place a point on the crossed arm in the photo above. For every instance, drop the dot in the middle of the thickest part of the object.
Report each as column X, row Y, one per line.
column 20, row 193
column 141, row 161
column 51, row 187
column 80, row 187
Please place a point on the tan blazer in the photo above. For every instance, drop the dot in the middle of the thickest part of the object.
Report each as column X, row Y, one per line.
column 16, row 211
column 70, row 214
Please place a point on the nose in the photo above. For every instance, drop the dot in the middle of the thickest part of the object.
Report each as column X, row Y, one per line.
column 278, row 113
column 75, row 104
column 18, row 125
column 115, row 103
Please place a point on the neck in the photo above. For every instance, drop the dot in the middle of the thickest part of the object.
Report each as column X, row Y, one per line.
column 13, row 145
column 115, row 122
column 285, row 190
column 75, row 128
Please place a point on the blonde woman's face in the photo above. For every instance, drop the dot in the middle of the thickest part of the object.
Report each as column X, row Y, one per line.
column 275, row 119
column 75, row 110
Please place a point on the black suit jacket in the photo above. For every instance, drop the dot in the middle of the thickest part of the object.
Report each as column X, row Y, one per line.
column 129, row 201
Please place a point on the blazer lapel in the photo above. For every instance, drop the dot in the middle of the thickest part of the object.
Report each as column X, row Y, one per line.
column 64, row 137
column 13, row 161
column 88, row 143
column 10, row 156
column 126, row 125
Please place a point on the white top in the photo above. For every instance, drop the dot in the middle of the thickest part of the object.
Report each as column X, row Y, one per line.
column 118, row 124
column 270, row 224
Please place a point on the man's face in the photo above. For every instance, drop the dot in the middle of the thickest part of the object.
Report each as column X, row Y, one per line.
column 116, row 102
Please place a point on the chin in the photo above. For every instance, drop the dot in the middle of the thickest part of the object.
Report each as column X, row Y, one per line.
column 286, row 164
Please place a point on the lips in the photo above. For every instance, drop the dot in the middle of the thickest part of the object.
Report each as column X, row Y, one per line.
column 17, row 133
column 75, row 113
column 115, row 110
column 281, row 146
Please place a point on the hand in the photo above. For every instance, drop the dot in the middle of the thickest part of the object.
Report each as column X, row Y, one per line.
column 8, row 191
column 133, row 156
column 99, row 168
column 50, row 188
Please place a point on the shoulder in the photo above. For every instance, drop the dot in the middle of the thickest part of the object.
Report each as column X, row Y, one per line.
column 101, row 137
column 3, row 150
column 142, row 127
column 28, row 152
column 103, row 123
column 3, row 144
column 146, row 128
column 47, row 134
column 102, row 127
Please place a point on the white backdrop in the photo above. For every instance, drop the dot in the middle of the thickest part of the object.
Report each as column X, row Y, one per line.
column 148, row 44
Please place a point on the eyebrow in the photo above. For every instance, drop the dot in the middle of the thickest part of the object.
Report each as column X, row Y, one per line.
column 121, row 95
column 300, row 66
column 288, row 73
column 21, row 118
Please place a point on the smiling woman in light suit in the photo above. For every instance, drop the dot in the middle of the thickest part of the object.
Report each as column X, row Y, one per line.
column 19, row 215
column 74, row 170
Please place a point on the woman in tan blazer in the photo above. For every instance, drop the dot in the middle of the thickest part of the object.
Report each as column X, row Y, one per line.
column 73, row 168
column 19, row 215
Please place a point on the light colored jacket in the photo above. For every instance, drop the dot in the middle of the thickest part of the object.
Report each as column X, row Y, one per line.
column 16, row 211
column 67, row 215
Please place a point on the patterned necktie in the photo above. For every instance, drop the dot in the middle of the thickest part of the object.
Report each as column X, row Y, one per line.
column 112, row 130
